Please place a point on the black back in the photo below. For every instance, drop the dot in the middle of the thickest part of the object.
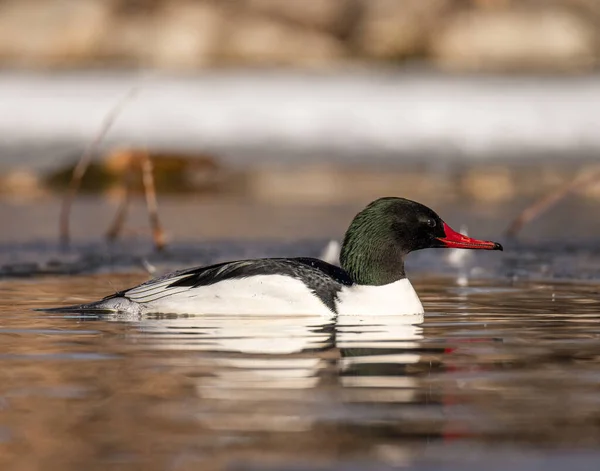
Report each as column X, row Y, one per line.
column 322, row 278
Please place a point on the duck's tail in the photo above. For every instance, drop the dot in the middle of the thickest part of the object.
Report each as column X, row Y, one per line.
column 98, row 308
column 114, row 304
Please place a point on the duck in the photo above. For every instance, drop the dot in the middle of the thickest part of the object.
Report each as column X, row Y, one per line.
column 371, row 278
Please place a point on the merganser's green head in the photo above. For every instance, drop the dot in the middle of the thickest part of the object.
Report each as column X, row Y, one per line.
column 385, row 231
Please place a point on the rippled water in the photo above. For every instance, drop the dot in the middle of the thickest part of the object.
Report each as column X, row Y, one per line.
column 497, row 374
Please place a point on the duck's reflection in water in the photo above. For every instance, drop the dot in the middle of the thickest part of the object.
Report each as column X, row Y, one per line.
column 375, row 353
column 240, row 334
column 287, row 373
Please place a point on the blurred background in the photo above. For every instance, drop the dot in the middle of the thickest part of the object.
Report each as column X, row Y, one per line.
column 267, row 125
column 279, row 118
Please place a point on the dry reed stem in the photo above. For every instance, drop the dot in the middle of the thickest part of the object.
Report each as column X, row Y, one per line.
column 117, row 225
column 548, row 200
column 158, row 235
column 83, row 164
column 139, row 161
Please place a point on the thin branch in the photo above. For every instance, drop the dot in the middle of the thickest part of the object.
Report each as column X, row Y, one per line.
column 158, row 234
column 84, row 163
column 548, row 200
column 117, row 225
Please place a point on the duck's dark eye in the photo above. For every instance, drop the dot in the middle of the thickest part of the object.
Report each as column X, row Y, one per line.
column 431, row 222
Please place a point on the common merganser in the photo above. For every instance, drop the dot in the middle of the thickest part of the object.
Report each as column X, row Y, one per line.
column 371, row 279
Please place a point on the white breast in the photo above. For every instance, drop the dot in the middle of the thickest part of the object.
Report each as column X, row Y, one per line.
column 398, row 298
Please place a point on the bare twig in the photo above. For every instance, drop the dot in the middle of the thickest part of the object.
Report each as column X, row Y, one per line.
column 117, row 224
column 84, row 163
column 549, row 200
column 158, row 234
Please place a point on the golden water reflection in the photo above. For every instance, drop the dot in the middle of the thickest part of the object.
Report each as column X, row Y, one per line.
column 492, row 364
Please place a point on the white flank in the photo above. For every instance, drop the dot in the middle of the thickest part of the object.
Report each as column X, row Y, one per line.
column 266, row 295
column 258, row 295
column 398, row 298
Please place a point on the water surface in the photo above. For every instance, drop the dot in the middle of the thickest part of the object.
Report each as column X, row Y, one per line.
column 499, row 373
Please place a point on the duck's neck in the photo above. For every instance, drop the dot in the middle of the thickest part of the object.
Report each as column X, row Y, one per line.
column 372, row 262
